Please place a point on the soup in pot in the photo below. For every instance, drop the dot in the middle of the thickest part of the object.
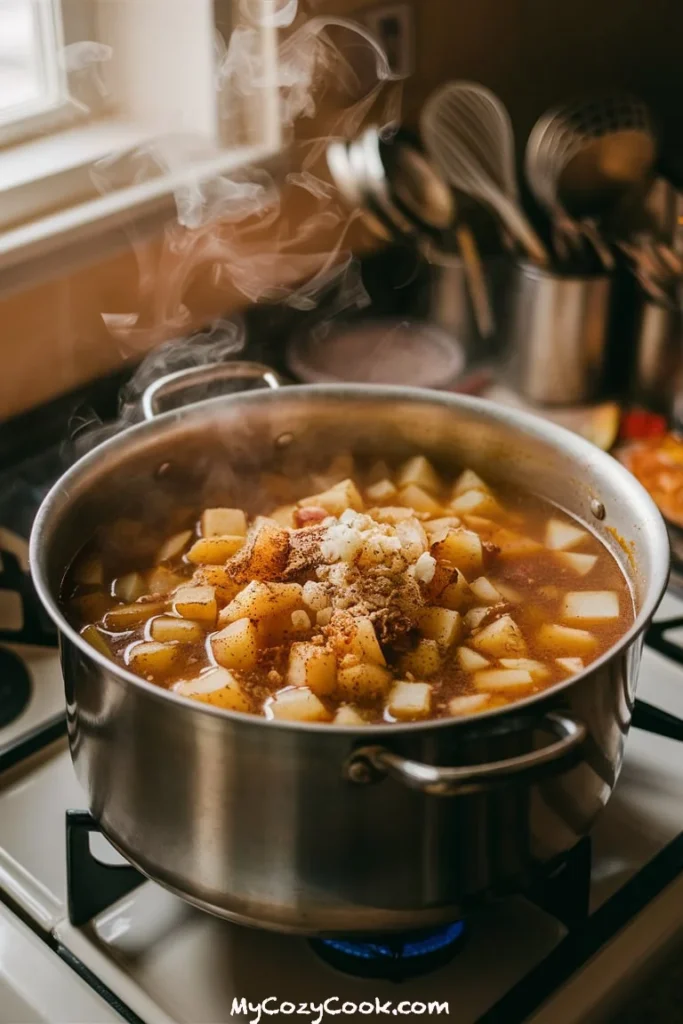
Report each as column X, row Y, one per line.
column 386, row 596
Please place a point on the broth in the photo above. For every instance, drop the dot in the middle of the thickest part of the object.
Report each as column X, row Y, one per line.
column 384, row 597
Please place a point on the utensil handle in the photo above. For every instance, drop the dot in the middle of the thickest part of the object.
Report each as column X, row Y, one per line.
column 194, row 376
column 518, row 225
column 601, row 249
column 370, row 764
column 476, row 281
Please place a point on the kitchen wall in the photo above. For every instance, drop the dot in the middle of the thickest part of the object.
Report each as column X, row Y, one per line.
column 532, row 52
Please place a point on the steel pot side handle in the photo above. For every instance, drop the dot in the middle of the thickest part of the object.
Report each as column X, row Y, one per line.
column 193, row 376
column 372, row 763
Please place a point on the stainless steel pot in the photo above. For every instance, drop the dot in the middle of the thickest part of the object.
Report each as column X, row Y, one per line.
column 321, row 829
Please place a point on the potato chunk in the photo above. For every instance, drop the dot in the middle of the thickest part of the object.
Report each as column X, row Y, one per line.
column 128, row 616
column 485, row 592
column 299, row 705
column 223, row 522
column 383, row 490
column 264, row 555
column 468, row 481
column 89, row 572
column 217, row 577
column 152, row 659
column 461, row 548
column 416, row 498
column 419, row 471
column 196, row 603
column 502, row 679
column 502, row 638
column 590, row 607
column 571, row 665
column 162, row 581
column 214, row 550
column 436, row 529
column 237, row 646
column 536, row 669
column 129, row 588
column 560, row 535
column 456, row 595
column 564, row 640
column 312, row 666
column 514, row 545
column 284, row 516
column 174, row 546
column 580, row 564
column 167, row 629
column 468, row 704
column 360, row 682
column 219, row 687
column 477, row 503
column 96, row 640
column 351, row 635
column 348, row 715
column 475, row 616
column 337, row 499
column 440, row 624
column 471, row 661
column 424, row 661
column 410, row 700
column 261, row 600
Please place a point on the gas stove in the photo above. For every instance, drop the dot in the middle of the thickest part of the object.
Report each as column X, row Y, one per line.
column 95, row 941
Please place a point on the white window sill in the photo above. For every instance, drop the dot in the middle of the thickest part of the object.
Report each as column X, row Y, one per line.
column 54, row 173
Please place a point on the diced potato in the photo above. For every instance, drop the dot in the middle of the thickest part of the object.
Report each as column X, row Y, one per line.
column 129, row 588
column 436, row 529
column 468, row 481
column 223, row 522
column 484, row 527
column 356, row 636
column 502, row 679
column 162, row 581
column 168, row 628
column 312, row 666
column 299, row 705
column 440, row 624
column 218, row 687
column 410, row 700
column 415, row 497
column 237, row 646
column 347, row 715
column 502, row 639
column 550, row 592
column 392, row 514
column 536, row 669
column 284, row 516
column 514, row 545
column 92, row 607
column 96, row 640
column 413, row 539
column 89, row 572
column 585, row 607
column 265, row 553
column 561, row 535
column 475, row 616
column 461, row 548
column 342, row 467
column 580, row 564
column 214, row 550
column 218, row 577
column 261, row 600
column 174, row 546
column 340, row 497
column 323, row 617
column 508, row 593
column 485, row 592
column 456, row 594
column 300, row 620
column 471, row 661
column 571, row 665
column 477, row 503
column 128, row 616
column 196, row 603
column 358, row 682
column 468, row 704
column 378, row 471
column 150, row 658
column 383, row 490
column 564, row 640
column 419, row 471
column 424, row 661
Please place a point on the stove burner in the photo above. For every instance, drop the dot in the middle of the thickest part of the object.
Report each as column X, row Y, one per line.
column 393, row 957
column 15, row 687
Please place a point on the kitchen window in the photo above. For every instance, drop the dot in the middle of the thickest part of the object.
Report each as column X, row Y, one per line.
column 86, row 81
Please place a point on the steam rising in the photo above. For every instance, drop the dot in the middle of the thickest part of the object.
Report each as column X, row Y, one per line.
column 235, row 227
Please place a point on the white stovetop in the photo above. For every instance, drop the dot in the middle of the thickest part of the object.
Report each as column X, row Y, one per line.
column 171, row 963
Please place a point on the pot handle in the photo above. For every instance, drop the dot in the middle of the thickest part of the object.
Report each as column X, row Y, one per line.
column 370, row 764
column 196, row 375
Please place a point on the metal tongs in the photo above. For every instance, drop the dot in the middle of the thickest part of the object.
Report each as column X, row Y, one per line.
column 403, row 197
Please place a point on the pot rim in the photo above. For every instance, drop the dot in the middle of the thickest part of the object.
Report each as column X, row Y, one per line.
column 528, row 423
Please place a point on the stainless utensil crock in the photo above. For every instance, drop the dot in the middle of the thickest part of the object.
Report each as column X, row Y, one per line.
column 322, row 829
